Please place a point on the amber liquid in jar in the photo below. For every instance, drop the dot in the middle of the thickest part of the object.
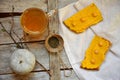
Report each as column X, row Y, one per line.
column 34, row 21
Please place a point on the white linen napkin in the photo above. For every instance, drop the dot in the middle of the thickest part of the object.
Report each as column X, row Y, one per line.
column 76, row 44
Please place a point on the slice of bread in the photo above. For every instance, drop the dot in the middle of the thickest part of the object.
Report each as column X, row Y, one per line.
column 83, row 19
column 95, row 54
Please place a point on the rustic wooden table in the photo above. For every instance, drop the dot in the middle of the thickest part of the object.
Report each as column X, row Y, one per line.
column 7, row 46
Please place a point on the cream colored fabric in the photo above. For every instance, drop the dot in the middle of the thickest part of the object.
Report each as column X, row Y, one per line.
column 76, row 44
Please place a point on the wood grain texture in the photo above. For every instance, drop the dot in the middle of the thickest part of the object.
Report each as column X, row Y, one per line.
column 20, row 5
column 55, row 66
column 17, row 29
column 53, row 28
column 53, row 19
column 38, row 49
column 35, row 76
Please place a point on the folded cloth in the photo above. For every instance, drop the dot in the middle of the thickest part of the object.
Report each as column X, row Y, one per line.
column 76, row 44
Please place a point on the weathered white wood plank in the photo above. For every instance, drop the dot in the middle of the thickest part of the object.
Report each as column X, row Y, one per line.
column 63, row 3
column 31, row 76
column 5, row 53
column 4, row 59
column 4, row 37
column 53, row 29
column 21, row 5
column 40, row 53
column 35, row 76
column 37, row 49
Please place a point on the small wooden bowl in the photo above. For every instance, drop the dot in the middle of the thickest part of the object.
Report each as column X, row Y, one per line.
column 54, row 43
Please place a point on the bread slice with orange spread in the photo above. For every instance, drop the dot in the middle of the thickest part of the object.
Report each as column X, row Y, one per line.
column 96, row 52
column 84, row 18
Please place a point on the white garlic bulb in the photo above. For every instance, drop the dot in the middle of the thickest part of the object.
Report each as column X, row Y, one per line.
column 22, row 61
